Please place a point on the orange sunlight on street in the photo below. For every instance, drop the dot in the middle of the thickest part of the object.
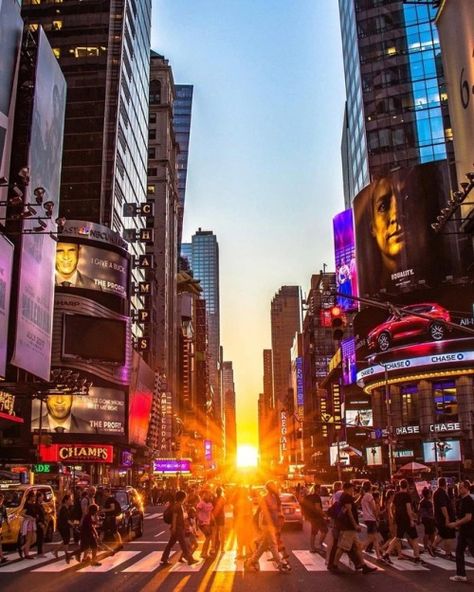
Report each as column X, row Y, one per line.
column 246, row 456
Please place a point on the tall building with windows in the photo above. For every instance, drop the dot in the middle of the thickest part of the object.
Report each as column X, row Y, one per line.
column 182, row 108
column 230, row 424
column 396, row 113
column 103, row 49
column 203, row 256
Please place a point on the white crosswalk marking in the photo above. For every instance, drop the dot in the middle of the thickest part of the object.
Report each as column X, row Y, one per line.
column 311, row 561
column 267, row 564
column 147, row 564
column 55, row 567
column 151, row 516
column 25, row 563
column 407, row 565
column 440, row 562
column 184, row 567
column 228, row 562
column 110, row 563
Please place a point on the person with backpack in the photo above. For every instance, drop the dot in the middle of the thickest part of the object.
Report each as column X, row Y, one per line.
column 112, row 510
column 204, row 521
column 174, row 516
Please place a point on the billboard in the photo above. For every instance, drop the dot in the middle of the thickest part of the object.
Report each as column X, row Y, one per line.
column 349, row 363
column 140, row 400
column 442, row 451
column 396, row 247
column 6, row 266
column 359, row 418
column 455, row 22
column 102, row 411
column 90, row 268
column 172, row 465
column 34, row 322
column 374, row 456
column 344, row 457
column 11, row 29
column 77, row 453
column 345, row 254
column 299, row 382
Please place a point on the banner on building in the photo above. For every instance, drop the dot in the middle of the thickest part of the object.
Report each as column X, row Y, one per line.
column 6, row 266
column 345, row 255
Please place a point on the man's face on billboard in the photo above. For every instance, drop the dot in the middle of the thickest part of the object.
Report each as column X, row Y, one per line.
column 386, row 222
column 59, row 406
column 67, row 256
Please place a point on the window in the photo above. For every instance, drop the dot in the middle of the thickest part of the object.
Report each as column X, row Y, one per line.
column 409, row 400
column 152, row 134
column 33, row 26
column 86, row 52
column 150, row 190
column 151, row 153
column 155, row 92
column 152, row 118
column 57, row 25
column 57, row 52
column 446, row 401
column 152, row 172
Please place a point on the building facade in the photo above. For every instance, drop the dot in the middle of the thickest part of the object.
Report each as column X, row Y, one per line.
column 230, row 421
column 397, row 104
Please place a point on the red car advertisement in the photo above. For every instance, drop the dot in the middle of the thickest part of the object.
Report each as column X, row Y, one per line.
column 417, row 322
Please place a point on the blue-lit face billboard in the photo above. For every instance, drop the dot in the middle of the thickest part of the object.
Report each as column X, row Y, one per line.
column 344, row 249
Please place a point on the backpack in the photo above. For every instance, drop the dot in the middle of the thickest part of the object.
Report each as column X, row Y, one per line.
column 168, row 514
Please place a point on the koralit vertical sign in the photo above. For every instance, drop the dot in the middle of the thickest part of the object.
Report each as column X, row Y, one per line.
column 455, row 21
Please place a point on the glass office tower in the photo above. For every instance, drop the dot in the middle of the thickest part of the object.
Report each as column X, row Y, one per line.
column 397, row 113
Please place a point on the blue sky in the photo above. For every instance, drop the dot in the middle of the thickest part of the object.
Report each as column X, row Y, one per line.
column 265, row 168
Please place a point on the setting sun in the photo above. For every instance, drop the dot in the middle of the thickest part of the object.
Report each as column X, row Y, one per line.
column 246, row 456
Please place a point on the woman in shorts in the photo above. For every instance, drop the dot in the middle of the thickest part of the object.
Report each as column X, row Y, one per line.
column 426, row 516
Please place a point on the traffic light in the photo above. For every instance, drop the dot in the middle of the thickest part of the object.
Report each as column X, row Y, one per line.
column 337, row 323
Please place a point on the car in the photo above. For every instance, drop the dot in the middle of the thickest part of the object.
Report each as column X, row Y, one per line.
column 14, row 500
column 405, row 326
column 131, row 520
column 291, row 510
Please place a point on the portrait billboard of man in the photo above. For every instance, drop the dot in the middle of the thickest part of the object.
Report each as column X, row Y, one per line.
column 67, row 273
column 58, row 416
column 396, row 246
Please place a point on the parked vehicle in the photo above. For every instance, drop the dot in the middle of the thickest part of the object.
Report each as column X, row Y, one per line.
column 15, row 497
column 131, row 519
column 291, row 510
column 406, row 326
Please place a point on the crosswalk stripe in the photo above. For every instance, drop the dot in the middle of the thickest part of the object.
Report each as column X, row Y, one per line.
column 151, row 516
column 56, row 566
column 445, row 564
column 184, row 567
column 25, row 563
column 407, row 565
column 110, row 563
column 267, row 564
column 229, row 563
column 311, row 561
column 147, row 564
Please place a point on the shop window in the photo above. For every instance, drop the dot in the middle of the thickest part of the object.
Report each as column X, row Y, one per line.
column 409, row 399
column 57, row 52
column 86, row 52
column 445, row 401
column 57, row 25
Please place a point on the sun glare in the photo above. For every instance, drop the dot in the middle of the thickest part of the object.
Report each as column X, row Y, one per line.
column 246, row 456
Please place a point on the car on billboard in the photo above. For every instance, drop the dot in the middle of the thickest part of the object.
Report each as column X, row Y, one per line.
column 409, row 325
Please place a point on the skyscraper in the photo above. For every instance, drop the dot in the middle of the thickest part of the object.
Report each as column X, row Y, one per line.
column 182, row 108
column 230, row 425
column 203, row 255
column 397, row 114
column 103, row 49
column 286, row 313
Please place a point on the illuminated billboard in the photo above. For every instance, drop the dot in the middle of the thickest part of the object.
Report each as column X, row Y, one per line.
column 299, row 382
column 455, row 23
column 140, row 400
column 359, row 418
column 349, row 364
column 11, row 29
column 396, row 247
column 90, row 268
column 172, row 465
column 345, row 254
column 374, row 456
column 102, row 411
column 6, row 265
column 442, row 451
column 344, row 457
column 34, row 322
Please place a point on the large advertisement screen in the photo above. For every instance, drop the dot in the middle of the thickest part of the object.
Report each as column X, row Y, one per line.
column 140, row 400
column 456, row 34
column 344, row 249
column 396, row 247
column 90, row 268
column 442, row 451
column 349, row 362
column 34, row 322
column 11, row 28
column 102, row 411
column 6, row 265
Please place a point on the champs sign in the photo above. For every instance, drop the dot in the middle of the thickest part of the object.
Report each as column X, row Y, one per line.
column 77, row 453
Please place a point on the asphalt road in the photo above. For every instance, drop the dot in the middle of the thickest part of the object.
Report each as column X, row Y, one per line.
column 137, row 568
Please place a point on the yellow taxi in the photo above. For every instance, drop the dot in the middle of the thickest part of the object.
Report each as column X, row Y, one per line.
column 14, row 500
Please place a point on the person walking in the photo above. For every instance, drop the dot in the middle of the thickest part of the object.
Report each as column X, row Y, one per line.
column 465, row 524
column 426, row 516
column 370, row 516
column 111, row 508
column 40, row 523
column 444, row 514
column 204, row 518
column 3, row 522
column 313, row 512
column 347, row 522
column 177, row 531
column 89, row 536
column 218, row 514
column 405, row 520
column 65, row 524
column 28, row 526
column 270, row 511
column 243, row 523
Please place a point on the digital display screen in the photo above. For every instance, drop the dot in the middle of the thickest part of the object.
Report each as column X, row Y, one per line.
column 161, row 465
column 442, row 451
column 345, row 254
column 359, row 417
column 94, row 338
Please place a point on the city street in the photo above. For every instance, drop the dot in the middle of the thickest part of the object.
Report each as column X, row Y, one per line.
column 136, row 568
